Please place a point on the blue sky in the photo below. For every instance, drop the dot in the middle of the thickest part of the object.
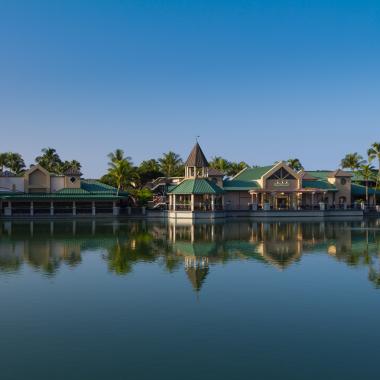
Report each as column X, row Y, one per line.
column 258, row 80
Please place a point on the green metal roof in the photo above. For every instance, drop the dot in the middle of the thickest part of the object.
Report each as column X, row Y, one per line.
column 250, row 174
column 246, row 179
column 359, row 190
column 321, row 174
column 197, row 186
column 318, row 184
column 89, row 190
column 233, row 185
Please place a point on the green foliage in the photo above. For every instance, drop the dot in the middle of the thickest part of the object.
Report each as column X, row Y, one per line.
column 12, row 161
column 352, row 161
column 148, row 171
column 229, row 168
column 171, row 164
column 142, row 196
column 121, row 172
column 367, row 172
column 295, row 164
column 51, row 161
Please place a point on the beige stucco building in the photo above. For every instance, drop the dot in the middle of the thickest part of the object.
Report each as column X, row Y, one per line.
column 267, row 188
column 38, row 192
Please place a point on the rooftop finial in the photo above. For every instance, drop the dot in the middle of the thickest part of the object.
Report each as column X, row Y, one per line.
column 196, row 138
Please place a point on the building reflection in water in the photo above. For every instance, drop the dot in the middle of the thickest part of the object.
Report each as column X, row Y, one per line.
column 46, row 245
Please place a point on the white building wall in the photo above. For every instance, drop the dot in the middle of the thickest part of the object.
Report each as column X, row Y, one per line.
column 57, row 183
column 12, row 183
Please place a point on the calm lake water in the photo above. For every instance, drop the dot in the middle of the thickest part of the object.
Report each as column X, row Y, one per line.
column 145, row 300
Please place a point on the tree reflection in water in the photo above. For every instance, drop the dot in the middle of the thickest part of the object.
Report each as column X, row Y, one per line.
column 46, row 245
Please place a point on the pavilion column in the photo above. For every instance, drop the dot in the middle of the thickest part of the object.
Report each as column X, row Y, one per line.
column 192, row 202
column 74, row 208
column 51, row 208
column 115, row 209
column 93, row 208
column 312, row 200
column 8, row 209
column 31, row 208
column 212, row 202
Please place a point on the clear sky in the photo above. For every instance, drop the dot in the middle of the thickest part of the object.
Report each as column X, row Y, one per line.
column 259, row 81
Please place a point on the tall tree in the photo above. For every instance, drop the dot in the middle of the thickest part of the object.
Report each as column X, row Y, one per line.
column 149, row 170
column 366, row 171
column 295, row 164
column 374, row 154
column 220, row 164
column 73, row 164
column 121, row 170
column 171, row 164
column 236, row 167
column 352, row 161
column 50, row 160
column 15, row 162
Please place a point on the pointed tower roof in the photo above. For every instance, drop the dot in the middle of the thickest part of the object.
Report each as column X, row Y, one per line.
column 197, row 158
column 197, row 277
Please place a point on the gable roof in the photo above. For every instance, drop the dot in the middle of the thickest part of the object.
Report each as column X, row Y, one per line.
column 235, row 185
column 359, row 190
column 252, row 174
column 215, row 173
column 196, row 157
column 196, row 186
column 318, row 184
column 324, row 174
column 90, row 189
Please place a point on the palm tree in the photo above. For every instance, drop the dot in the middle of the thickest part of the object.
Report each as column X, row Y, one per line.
column 295, row 164
column 149, row 170
column 374, row 154
column 50, row 160
column 15, row 162
column 366, row 171
column 236, row 167
column 220, row 164
column 73, row 164
column 352, row 161
column 121, row 169
column 170, row 164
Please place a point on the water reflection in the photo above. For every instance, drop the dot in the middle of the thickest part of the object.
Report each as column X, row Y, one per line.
column 194, row 248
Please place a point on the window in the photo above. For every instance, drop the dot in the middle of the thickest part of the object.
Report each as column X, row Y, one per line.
column 343, row 181
column 281, row 174
column 72, row 179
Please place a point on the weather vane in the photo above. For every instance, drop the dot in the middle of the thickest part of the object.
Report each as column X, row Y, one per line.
column 196, row 138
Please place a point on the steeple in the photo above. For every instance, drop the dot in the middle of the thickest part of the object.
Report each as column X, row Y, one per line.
column 196, row 164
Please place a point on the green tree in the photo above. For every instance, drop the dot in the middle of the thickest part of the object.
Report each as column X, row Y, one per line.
column 366, row 171
column 295, row 164
column 236, row 167
column 50, row 160
column 374, row 154
column 15, row 162
column 171, row 164
column 148, row 171
column 142, row 196
column 352, row 161
column 73, row 164
column 121, row 170
column 220, row 164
